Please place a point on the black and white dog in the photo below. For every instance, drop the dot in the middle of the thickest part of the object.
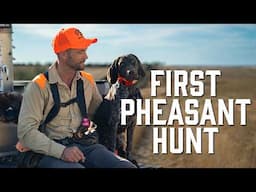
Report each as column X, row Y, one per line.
column 124, row 74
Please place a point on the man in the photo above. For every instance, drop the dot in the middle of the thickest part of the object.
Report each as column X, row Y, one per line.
column 56, row 143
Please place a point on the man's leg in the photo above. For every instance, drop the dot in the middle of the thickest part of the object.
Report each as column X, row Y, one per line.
column 98, row 156
column 51, row 162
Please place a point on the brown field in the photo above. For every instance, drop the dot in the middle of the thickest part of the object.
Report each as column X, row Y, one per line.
column 235, row 146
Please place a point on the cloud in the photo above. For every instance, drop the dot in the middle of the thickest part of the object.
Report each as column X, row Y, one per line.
column 145, row 35
column 49, row 30
column 161, row 41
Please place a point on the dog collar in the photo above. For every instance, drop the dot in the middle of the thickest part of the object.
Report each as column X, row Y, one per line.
column 125, row 81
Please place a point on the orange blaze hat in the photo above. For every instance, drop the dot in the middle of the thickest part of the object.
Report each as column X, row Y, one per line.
column 71, row 38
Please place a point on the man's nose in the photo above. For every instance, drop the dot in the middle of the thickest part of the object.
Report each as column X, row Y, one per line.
column 85, row 56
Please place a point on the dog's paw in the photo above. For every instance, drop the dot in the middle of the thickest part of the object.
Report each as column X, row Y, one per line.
column 121, row 153
column 134, row 162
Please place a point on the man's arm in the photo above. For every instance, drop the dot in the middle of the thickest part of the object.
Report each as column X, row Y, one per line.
column 31, row 115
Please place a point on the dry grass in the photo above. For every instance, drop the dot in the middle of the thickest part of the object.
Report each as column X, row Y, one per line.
column 235, row 146
column 98, row 73
column 28, row 72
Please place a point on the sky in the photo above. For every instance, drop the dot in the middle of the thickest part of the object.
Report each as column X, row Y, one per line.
column 168, row 44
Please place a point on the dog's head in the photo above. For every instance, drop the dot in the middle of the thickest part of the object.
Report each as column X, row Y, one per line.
column 10, row 104
column 126, row 67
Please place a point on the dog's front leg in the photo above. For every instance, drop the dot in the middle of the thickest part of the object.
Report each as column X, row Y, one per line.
column 121, row 144
column 130, row 130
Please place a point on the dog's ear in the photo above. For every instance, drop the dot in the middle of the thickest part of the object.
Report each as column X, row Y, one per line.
column 141, row 71
column 112, row 73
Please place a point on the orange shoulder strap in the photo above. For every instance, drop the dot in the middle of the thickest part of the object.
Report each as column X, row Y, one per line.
column 88, row 76
column 40, row 80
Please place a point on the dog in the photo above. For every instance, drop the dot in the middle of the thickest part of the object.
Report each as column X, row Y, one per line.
column 10, row 103
column 124, row 74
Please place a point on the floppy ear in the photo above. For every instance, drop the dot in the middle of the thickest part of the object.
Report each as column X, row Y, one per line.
column 141, row 71
column 112, row 73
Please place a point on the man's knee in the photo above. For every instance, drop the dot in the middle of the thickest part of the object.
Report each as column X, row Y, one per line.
column 125, row 164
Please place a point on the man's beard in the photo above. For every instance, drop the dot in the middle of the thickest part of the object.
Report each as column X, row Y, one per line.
column 77, row 66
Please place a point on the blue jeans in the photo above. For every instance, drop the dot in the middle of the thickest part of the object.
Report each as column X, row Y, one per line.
column 96, row 156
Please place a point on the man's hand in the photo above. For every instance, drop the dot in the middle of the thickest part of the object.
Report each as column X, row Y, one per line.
column 72, row 154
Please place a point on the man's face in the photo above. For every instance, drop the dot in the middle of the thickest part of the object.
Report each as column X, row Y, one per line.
column 76, row 59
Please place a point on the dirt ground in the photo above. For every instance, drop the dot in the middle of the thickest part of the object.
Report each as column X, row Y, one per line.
column 234, row 146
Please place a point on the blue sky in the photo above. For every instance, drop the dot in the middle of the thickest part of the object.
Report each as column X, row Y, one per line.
column 170, row 44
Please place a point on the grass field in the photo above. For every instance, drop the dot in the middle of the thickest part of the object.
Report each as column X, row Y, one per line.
column 235, row 146
column 28, row 72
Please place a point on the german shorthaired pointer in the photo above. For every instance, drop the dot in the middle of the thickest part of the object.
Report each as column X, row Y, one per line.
column 124, row 74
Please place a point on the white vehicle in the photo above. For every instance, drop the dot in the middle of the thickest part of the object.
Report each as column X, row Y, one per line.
column 4, row 77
